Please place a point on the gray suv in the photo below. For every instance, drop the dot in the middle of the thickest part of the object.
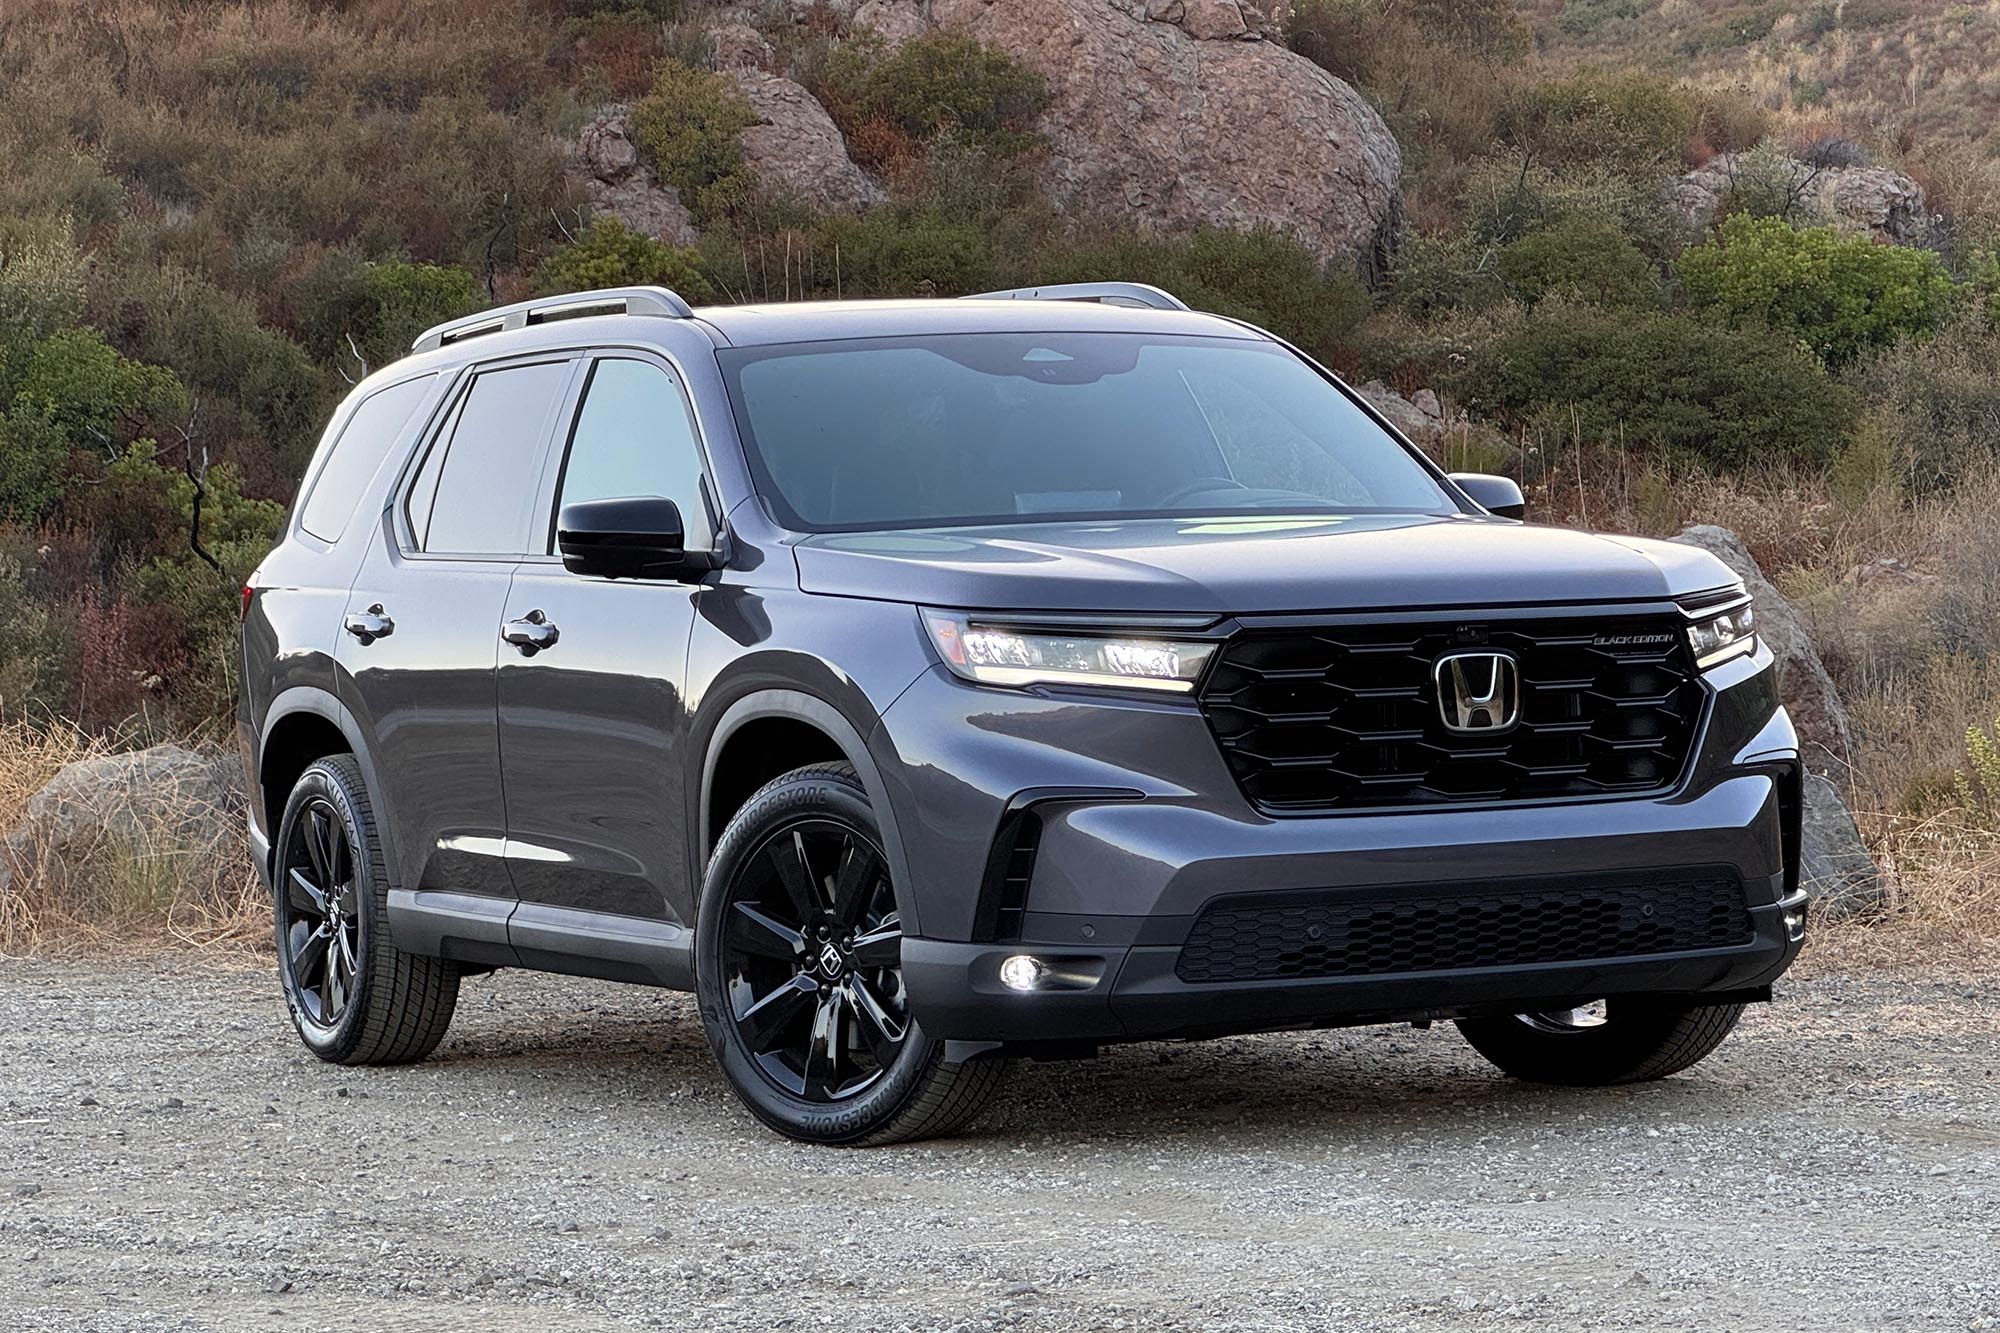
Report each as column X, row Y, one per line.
column 928, row 683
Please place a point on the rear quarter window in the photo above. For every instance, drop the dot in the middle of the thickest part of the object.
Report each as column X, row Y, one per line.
column 354, row 456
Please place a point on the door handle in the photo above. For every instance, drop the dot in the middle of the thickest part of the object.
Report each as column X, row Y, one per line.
column 531, row 633
column 369, row 625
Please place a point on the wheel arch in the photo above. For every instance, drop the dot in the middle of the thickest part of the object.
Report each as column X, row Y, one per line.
column 772, row 732
column 306, row 724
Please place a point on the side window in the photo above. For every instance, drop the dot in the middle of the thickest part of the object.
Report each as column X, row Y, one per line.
column 354, row 455
column 475, row 494
column 635, row 435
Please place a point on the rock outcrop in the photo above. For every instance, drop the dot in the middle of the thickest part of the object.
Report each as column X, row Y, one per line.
column 1885, row 203
column 1837, row 866
column 606, row 169
column 795, row 149
column 1178, row 114
column 141, row 803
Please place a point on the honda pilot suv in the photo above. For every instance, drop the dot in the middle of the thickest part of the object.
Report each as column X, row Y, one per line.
column 925, row 684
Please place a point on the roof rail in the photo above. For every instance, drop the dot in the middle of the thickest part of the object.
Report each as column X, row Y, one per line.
column 1135, row 294
column 610, row 301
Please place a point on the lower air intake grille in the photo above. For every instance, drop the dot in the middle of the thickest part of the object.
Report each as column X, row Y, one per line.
column 1272, row 937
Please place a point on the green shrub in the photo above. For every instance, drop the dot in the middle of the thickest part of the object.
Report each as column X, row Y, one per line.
column 1940, row 399
column 1837, row 292
column 75, row 393
column 687, row 129
column 1584, row 257
column 1723, row 396
column 1630, row 124
column 43, row 281
column 610, row 254
column 943, row 81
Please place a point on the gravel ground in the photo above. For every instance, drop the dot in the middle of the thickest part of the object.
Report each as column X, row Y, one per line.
column 171, row 1159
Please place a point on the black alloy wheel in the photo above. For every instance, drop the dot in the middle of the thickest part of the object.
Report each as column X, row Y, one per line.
column 319, row 921
column 812, row 945
column 799, row 941
column 355, row 998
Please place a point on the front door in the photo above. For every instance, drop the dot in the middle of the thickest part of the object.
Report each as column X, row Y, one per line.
column 421, row 639
column 592, row 725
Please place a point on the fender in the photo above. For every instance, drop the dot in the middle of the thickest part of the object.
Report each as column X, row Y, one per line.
column 798, row 706
column 322, row 703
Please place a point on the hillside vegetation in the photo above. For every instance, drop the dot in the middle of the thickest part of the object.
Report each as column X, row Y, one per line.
column 220, row 214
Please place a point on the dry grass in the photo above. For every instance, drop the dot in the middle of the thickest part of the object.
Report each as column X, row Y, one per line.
column 181, row 882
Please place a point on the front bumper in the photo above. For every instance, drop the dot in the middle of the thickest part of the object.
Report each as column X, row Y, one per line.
column 1139, row 828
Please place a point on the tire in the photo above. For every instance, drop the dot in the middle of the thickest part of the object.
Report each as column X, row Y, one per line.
column 354, row 997
column 798, row 975
column 1634, row 1039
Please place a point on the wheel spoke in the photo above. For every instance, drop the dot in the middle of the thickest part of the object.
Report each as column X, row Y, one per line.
column 347, row 958
column 309, row 959
column 306, row 895
column 319, row 845
column 822, row 1068
column 880, row 947
column 754, row 932
column 764, row 1022
column 860, row 872
column 333, row 997
column 882, row 1032
column 788, row 855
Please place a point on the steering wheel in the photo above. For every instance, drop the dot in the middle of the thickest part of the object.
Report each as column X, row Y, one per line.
column 1196, row 487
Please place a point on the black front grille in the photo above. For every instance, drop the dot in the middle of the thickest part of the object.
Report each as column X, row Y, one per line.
column 1347, row 716
column 1267, row 937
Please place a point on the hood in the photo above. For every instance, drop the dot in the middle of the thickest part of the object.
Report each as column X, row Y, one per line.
column 1248, row 566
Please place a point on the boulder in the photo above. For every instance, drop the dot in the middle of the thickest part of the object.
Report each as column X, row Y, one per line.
column 739, row 46
column 1173, row 115
column 606, row 169
column 1884, row 203
column 1420, row 416
column 1835, row 863
column 894, row 21
column 1803, row 682
column 167, row 797
column 795, row 149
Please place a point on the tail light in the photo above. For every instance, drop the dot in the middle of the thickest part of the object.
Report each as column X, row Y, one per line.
column 249, row 592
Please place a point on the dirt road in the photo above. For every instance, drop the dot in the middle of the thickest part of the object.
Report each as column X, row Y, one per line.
column 170, row 1158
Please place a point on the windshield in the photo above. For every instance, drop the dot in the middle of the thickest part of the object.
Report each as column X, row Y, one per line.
column 991, row 428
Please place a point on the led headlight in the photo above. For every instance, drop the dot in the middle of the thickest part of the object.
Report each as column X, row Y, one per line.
column 1717, row 638
column 1002, row 654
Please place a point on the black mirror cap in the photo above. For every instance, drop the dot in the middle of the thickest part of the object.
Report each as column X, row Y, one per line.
column 1496, row 495
column 630, row 537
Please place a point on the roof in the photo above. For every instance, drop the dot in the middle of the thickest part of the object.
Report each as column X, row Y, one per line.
column 820, row 321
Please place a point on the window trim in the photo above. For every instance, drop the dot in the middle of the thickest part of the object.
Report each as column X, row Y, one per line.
column 557, row 465
column 444, row 421
column 417, row 424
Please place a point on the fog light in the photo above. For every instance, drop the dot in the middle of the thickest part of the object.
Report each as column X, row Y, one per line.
column 1020, row 972
column 1794, row 921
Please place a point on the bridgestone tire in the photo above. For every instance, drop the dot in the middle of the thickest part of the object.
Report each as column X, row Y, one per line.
column 920, row 1094
column 1642, row 1038
column 401, row 1003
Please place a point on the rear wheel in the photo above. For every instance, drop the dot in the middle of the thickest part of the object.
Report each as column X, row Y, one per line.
column 355, row 998
column 1625, row 1039
column 798, row 966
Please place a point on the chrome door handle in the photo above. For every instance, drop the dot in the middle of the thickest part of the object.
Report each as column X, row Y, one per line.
column 531, row 633
column 369, row 625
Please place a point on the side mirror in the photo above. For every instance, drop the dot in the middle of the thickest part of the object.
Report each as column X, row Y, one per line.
column 1496, row 495
column 631, row 537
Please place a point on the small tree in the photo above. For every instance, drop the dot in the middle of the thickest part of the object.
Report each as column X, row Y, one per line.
column 687, row 129
column 611, row 254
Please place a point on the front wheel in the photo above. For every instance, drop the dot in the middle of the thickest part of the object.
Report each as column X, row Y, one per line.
column 1625, row 1039
column 798, row 968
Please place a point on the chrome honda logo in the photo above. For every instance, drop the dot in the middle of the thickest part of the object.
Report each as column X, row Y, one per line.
column 1478, row 692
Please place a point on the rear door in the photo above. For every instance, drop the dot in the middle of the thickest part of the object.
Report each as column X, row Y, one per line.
column 592, row 727
column 421, row 639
